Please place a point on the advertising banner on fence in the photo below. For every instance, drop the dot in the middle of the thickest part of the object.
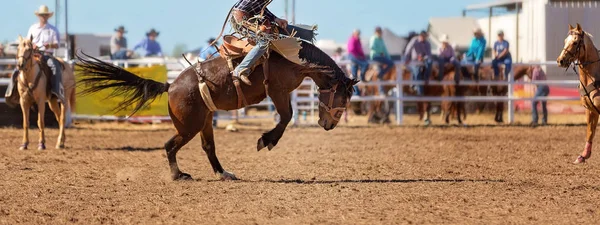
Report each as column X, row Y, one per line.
column 99, row 104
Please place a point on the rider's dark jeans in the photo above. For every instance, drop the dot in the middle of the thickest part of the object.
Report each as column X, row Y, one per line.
column 356, row 63
column 418, row 76
column 388, row 63
column 56, row 68
column 507, row 61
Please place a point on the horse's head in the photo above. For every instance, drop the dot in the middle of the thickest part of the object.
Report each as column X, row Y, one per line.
column 574, row 47
column 333, row 102
column 25, row 53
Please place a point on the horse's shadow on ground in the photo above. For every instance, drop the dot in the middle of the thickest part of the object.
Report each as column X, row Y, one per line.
column 371, row 181
column 128, row 149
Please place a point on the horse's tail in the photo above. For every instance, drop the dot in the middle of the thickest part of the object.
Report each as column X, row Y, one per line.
column 97, row 75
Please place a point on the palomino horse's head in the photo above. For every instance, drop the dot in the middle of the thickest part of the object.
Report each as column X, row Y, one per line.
column 333, row 102
column 25, row 53
column 574, row 47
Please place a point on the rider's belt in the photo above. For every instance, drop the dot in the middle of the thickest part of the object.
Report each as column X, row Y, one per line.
column 585, row 91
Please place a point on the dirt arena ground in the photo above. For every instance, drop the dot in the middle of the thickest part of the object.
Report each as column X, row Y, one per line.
column 118, row 174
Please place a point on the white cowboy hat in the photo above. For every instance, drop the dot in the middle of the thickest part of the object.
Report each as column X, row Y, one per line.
column 43, row 10
column 444, row 38
column 477, row 31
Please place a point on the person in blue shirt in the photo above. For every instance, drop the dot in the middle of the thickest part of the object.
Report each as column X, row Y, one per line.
column 150, row 46
column 210, row 51
column 501, row 55
column 476, row 51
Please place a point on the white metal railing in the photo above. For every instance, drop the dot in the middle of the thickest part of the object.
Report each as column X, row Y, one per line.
column 310, row 103
column 399, row 98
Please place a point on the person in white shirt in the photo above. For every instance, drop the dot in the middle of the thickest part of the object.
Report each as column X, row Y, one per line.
column 46, row 38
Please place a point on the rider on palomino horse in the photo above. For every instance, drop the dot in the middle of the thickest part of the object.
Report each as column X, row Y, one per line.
column 244, row 15
column 45, row 37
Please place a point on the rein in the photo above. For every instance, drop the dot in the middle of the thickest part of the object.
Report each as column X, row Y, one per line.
column 32, row 54
column 336, row 113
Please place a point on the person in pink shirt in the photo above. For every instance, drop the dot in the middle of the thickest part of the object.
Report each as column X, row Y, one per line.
column 542, row 90
column 357, row 56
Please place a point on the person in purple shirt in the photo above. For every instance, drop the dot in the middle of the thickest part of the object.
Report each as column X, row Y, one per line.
column 501, row 55
column 419, row 49
column 542, row 90
column 447, row 55
column 357, row 56
column 150, row 46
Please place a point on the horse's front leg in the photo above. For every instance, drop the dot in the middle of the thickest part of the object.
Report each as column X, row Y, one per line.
column 284, row 108
column 592, row 122
column 41, row 113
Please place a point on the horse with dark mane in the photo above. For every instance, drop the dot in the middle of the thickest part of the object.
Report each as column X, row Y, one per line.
column 191, row 115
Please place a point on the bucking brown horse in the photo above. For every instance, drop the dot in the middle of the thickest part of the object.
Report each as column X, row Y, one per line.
column 189, row 112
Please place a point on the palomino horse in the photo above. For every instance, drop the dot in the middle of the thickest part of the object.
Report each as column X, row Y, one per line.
column 190, row 114
column 579, row 50
column 34, row 89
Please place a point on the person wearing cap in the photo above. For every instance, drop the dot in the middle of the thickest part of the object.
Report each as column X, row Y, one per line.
column 210, row 51
column 149, row 44
column 419, row 49
column 501, row 55
column 357, row 56
column 118, row 45
column 46, row 38
column 447, row 55
column 379, row 54
column 476, row 52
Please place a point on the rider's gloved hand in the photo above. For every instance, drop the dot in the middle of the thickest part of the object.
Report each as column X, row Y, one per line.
column 281, row 22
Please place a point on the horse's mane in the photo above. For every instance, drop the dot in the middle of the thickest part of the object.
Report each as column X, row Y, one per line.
column 318, row 61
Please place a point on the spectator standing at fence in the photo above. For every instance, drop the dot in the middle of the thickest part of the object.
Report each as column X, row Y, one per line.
column 447, row 55
column 542, row 90
column 357, row 56
column 118, row 45
column 501, row 55
column 476, row 51
column 2, row 56
column 210, row 51
column 419, row 50
column 149, row 44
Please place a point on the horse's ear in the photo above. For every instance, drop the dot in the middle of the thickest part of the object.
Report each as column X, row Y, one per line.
column 20, row 38
column 355, row 81
column 570, row 27
column 31, row 38
column 578, row 27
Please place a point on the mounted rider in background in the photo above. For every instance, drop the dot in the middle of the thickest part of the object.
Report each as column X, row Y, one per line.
column 45, row 38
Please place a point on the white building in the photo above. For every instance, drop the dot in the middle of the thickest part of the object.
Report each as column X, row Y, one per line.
column 536, row 29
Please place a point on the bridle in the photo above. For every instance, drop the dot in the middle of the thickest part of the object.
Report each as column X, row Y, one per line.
column 32, row 52
column 337, row 112
column 580, row 44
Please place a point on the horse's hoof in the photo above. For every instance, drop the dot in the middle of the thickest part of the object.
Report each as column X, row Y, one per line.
column 23, row 147
column 60, row 146
column 580, row 160
column 260, row 145
column 182, row 177
column 427, row 122
column 225, row 176
column 41, row 146
column 270, row 147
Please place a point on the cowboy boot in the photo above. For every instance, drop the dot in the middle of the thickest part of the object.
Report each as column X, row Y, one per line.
column 243, row 76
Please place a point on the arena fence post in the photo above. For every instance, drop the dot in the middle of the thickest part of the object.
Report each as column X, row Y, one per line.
column 511, row 102
column 399, row 96
column 295, row 116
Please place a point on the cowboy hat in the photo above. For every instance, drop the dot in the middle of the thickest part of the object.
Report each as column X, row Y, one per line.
column 444, row 38
column 43, row 10
column 120, row 29
column 477, row 31
column 500, row 32
column 152, row 31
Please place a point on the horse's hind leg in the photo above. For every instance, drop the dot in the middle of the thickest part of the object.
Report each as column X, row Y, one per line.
column 208, row 144
column 172, row 146
column 59, row 113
